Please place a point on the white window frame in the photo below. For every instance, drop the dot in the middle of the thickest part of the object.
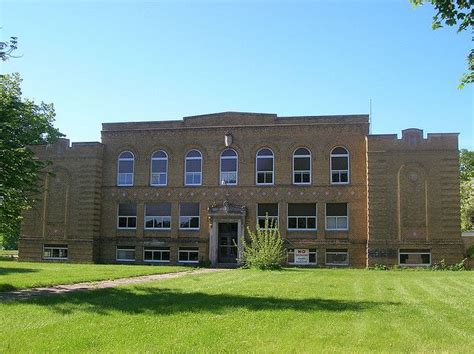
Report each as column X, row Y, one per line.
column 236, row 158
column 188, row 251
column 125, row 248
column 414, row 265
column 53, row 247
column 159, row 173
column 269, row 216
column 127, row 217
column 292, row 251
column 126, row 174
column 337, row 218
column 301, row 217
column 194, row 174
column 301, row 172
column 273, row 167
column 156, row 217
column 347, row 155
column 336, row 253
column 189, row 222
column 160, row 250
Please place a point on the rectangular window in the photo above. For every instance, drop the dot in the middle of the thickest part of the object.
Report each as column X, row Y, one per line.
column 270, row 209
column 189, row 216
column 302, row 256
column 127, row 216
column 415, row 258
column 188, row 255
column 336, row 216
column 302, row 216
column 158, row 216
column 125, row 253
column 159, row 172
column 156, row 254
column 57, row 252
column 337, row 257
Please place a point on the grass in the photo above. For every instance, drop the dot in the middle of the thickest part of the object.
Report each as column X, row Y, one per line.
column 295, row 310
column 20, row 275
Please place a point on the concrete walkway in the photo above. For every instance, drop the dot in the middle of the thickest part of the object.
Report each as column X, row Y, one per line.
column 103, row 284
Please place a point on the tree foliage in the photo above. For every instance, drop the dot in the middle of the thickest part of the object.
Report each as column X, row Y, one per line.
column 459, row 13
column 6, row 48
column 466, row 159
column 22, row 124
column 265, row 248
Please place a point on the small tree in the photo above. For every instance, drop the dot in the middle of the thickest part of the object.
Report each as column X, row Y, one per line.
column 265, row 247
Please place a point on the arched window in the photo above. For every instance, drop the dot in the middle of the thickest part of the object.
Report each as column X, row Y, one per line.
column 125, row 169
column 159, row 168
column 265, row 166
column 228, row 167
column 339, row 166
column 302, row 166
column 193, row 168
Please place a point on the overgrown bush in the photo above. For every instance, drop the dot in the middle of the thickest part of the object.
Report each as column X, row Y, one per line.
column 442, row 265
column 378, row 266
column 264, row 248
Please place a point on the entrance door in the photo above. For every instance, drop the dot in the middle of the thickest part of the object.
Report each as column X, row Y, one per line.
column 227, row 242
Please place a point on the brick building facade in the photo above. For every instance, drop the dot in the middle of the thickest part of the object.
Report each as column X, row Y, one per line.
column 185, row 191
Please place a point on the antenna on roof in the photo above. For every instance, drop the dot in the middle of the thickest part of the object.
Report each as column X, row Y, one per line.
column 370, row 116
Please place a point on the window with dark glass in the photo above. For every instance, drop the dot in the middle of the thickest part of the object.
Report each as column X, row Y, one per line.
column 156, row 254
column 265, row 166
column 270, row 209
column 158, row 216
column 415, row 257
column 127, row 216
column 302, row 166
column 302, row 216
column 189, row 216
column 188, row 255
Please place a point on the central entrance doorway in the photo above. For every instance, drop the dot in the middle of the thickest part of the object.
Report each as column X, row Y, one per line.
column 227, row 242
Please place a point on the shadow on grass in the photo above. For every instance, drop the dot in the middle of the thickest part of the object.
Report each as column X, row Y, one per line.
column 167, row 302
column 5, row 271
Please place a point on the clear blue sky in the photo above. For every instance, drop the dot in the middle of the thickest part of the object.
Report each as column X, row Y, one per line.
column 157, row 60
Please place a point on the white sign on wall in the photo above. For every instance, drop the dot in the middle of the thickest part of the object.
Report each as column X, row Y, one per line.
column 301, row 256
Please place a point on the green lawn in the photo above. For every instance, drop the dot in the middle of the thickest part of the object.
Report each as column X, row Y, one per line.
column 18, row 275
column 296, row 310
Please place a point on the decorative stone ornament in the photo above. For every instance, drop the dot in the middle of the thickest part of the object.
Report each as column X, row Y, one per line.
column 228, row 139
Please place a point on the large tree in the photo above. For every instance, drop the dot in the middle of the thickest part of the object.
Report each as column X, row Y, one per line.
column 466, row 159
column 458, row 13
column 22, row 124
column 7, row 47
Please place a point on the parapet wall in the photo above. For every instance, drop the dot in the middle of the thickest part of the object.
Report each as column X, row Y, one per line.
column 68, row 210
column 413, row 194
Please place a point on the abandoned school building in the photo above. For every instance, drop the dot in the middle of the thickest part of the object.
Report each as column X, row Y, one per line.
column 185, row 191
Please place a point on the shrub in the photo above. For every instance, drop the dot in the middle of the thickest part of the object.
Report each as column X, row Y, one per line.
column 378, row 266
column 264, row 249
column 442, row 265
column 470, row 252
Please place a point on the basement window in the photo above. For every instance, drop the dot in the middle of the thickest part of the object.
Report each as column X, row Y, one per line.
column 55, row 252
column 302, row 256
column 415, row 257
column 156, row 254
column 337, row 257
column 188, row 255
column 125, row 253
